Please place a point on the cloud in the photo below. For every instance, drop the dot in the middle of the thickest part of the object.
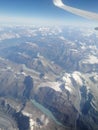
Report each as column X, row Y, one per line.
column 82, row 13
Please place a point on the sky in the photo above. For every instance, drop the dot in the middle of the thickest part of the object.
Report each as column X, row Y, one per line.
column 43, row 11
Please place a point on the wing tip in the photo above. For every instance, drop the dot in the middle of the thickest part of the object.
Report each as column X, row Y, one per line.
column 58, row 3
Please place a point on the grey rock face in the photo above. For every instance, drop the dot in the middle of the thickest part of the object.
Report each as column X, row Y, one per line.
column 10, row 119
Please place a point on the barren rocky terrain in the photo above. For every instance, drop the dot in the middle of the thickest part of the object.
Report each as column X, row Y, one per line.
column 48, row 78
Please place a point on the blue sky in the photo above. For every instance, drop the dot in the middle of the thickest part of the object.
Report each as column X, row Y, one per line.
column 43, row 10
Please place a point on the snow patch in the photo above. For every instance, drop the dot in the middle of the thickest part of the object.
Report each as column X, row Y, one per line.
column 53, row 85
column 23, row 73
column 96, row 77
column 68, row 88
column 62, row 38
column 5, row 36
column 91, row 60
column 77, row 78
column 32, row 123
column 68, row 83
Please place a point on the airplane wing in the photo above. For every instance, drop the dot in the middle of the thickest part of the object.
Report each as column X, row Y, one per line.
column 82, row 13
